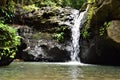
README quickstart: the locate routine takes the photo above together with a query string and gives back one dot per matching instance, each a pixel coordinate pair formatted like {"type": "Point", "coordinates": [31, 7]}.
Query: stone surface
{"type": "Point", "coordinates": [105, 49]}
{"type": "Point", "coordinates": [114, 30]}
{"type": "Point", "coordinates": [38, 46]}
{"type": "Point", "coordinates": [38, 42]}
{"type": "Point", "coordinates": [44, 18]}
{"type": "Point", "coordinates": [106, 11]}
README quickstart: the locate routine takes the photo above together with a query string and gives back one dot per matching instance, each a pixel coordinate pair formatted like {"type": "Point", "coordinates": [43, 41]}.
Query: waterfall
{"type": "Point", "coordinates": [78, 22]}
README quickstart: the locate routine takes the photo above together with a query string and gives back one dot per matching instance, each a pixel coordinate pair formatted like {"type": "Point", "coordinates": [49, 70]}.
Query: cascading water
{"type": "Point", "coordinates": [78, 22]}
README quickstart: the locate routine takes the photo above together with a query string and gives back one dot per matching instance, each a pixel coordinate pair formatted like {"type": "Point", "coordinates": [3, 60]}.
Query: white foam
{"type": "Point", "coordinates": [71, 63]}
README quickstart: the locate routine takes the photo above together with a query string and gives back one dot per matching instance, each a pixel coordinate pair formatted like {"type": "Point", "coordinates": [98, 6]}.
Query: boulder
{"type": "Point", "coordinates": [44, 18]}
{"type": "Point", "coordinates": [37, 46]}
{"type": "Point", "coordinates": [105, 48]}
{"type": "Point", "coordinates": [38, 42]}
{"type": "Point", "coordinates": [114, 30]}
{"type": "Point", "coordinates": [106, 11]}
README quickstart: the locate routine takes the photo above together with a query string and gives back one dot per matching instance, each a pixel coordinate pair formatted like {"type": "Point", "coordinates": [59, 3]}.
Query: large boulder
{"type": "Point", "coordinates": [38, 38]}
{"type": "Point", "coordinates": [44, 18]}
{"type": "Point", "coordinates": [102, 46]}
{"type": "Point", "coordinates": [40, 46]}
{"type": "Point", "coordinates": [106, 11]}
{"type": "Point", "coordinates": [114, 30]}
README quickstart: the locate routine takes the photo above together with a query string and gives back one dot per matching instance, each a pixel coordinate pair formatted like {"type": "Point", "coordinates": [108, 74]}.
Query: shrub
{"type": "Point", "coordinates": [8, 41]}
{"type": "Point", "coordinates": [102, 29]}
{"type": "Point", "coordinates": [7, 12]}
{"type": "Point", "coordinates": [59, 36]}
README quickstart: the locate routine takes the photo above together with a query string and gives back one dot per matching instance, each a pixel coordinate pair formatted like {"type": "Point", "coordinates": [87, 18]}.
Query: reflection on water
{"type": "Point", "coordinates": [75, 73]}
{"type": "Point", "coordinates": [47, 71]}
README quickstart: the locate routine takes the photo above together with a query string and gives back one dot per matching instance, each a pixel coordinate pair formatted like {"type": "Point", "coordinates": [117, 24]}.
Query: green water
{"type": "Point", "coordinates": [46, 71]}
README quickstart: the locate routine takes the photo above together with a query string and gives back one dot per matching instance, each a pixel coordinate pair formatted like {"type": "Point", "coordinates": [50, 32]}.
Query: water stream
{"type": "Point", "coordinates": [78, 23]}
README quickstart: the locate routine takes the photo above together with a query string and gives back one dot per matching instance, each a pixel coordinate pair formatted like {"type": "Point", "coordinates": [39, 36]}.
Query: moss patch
{"type": "Point", "coordinates": [30, 8]}
{"type": "Point", "coordinates": [39, 35]}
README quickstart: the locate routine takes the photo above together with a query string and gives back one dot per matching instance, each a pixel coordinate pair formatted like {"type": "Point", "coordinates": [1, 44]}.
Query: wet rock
{"type": "Point", "coordinates": [108, 10]}
{"type": "Point", "coordinates": [5, 59]}
{"type": "Point", "coordinates": [38, 41]}
{"type": "Point", "coordinates": [40, 46]}
{"type": "Point", "coordinates": [103, 49]}
{"type": "Point", "coordinates": [44, 18]}
{"type": "Point", "coordinates": [6, 62]}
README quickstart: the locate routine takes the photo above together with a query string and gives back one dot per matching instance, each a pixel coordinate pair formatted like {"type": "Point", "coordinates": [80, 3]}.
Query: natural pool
{"type": "Point", "coordinates": [55, 71]}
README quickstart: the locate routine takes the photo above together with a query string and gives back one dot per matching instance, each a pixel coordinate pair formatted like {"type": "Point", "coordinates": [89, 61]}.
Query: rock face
{"type": "Point", "coordinates": [105, 48]}
{"type": "Point", "coordinates": [106, 10]}
{"type": "Point", "coordinates": [114, 30]}
{"type": "Point", "coordinates": [45, 17]}
{"type": "Point", "coordinates": [5, 60]}
{"type": "Point", "coordinates": [38, 41]}
{"type": "Point", "coordinates": [38, 46]}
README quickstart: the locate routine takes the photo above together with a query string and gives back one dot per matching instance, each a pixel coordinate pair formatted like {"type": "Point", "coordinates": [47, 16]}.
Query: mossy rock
{"type": "Point", "coordinates": [114, 30]}
{"type": "Point", "coordinates": [40, 35]}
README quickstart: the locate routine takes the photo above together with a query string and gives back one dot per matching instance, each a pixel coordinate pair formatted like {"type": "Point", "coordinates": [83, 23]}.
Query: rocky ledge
{"type": "Point", "coordinates": [103, 44]}
{"type": "Point", "coordinates": [38, 29]}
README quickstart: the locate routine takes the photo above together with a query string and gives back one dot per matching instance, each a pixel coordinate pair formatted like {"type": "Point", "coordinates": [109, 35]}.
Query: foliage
{"type": "Point", "coordinates": [74, 3]}
{"type": "Point", "coordinates": [59, 36]}
{"type": "Point", "coordinates": [59, 33]}
{"type": "Point", "coordinates": [8, 41]}
{"type": "Point", "coordinates": [91, 10]}
{"type": "Point", "coordinates": [103, 29]}
{"type": "Point", "coordinates": [84, 33]}
{"type": "Point", "coordinates": [60, 29]}
{"type": "Point", "coordinates": [30, 7]}
{"type": "Point", "coordinates": [90, 1]}
{"type": "Point", "coordinates": [7, 12]}
{"type": "Point", "coordinates": [53, 3]}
